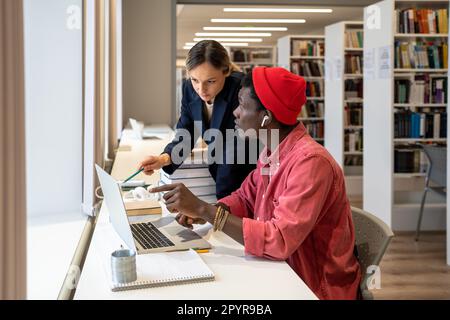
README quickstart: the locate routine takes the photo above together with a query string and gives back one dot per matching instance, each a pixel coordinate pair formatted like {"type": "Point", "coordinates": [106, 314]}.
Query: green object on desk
{"type": "Point", "coordinates": [133, 175]}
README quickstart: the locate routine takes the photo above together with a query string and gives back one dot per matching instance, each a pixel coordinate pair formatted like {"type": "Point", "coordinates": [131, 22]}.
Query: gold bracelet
{"type": "Point", "coordinates": [216, 218]}
{"type": "Point", "coordinates": [221, 217]}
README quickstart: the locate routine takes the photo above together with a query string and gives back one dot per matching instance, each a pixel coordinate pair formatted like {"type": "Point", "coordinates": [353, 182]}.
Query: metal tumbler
{"type": "Point", "coordinates": [123, 266]}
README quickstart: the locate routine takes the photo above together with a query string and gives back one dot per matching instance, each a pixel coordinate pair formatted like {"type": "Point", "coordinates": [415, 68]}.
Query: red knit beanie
{"type": "Point", "coordinates": [281, 92]}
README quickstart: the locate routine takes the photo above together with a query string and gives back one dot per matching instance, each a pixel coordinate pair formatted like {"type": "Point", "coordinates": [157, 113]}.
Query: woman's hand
{"type": "Point", "coordinates": [152, 163]}
{"type": "Point", "coordinates": [180, 199]}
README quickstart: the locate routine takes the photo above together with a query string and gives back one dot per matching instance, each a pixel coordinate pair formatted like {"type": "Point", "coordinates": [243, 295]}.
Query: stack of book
{"type": "Point", "coordinates": [195, 176]}
{"type": "Point", "coordinates": [308, 48]}
{"type": "Point", "coordinates": [142, 207]}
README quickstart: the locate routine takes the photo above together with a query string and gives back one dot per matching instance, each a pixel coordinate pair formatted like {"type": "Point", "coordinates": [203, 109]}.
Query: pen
{"type": "Point", "coordinates": [132, 176]}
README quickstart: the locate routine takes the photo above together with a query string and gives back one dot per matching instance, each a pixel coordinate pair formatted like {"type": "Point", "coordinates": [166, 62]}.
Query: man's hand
{"type": "Point", "coordinates": [152, 163]}
{"type": "Point", "coordinates": [187, 222]}
{"type": "Point", "coordinates": [180, 199]}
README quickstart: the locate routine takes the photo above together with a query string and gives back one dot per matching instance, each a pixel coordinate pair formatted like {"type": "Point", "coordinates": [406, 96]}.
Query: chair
{"type": "Point", "coordinates": [372, 237]}
{"type": "Point", "coordinates": [436, 173]}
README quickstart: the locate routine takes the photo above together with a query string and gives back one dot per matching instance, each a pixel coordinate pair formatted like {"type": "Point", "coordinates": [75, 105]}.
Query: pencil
{"type": "Point", "coordinates": [202, 250]}
{"type": "Point", "coordinates": [133, 175]}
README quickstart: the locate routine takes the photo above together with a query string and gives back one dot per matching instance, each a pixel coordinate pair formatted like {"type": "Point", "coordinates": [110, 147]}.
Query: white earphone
{"type": "Point", "coordinates": [141, 194]}
{"type": "Point", "coordinates": [264, 120]}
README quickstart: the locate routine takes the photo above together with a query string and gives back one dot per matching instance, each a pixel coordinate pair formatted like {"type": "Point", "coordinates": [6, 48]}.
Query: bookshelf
{"type": "Point", "coordinates": [344, 100]}
{"type": "Point", "coordinates": [247, 58]}
{"type": "Point", "coordinates": [405, 84]}
{"type": "Point", "coordinates": [305, 55]}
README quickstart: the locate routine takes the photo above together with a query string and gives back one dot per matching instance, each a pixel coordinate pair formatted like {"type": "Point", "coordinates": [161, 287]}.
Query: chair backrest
{"type": "Point", "coordinates": [372, 237]}
{"type": "Point", "coordinates": [437, 155]}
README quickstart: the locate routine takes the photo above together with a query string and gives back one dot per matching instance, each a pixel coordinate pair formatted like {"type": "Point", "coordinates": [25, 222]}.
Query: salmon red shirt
{"type": "Point", "coordinates": [295, 208]}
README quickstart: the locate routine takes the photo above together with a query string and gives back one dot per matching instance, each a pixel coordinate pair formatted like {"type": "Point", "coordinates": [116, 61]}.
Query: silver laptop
{"type": "Point", "coordinates": [161, 235]}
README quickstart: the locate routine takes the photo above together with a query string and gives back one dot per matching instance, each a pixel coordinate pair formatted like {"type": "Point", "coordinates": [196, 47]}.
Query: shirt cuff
{"type": "Point", "coordinates": [254, 236]}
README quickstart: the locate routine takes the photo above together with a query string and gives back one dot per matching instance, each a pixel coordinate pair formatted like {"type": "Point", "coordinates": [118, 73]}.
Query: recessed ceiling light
{"type": "Point", "coordinates": [259, 20]}
{"type": "Point", "coordinates": [245, 28]}
{"type": "Point", "coordinates": [232, 34]}
{"type": "Point", "coordinates": [236, 44]}
{"type": "Point", "coordinates": [278, 10]}
{"type": "Point", "coordinates": [230, 39]}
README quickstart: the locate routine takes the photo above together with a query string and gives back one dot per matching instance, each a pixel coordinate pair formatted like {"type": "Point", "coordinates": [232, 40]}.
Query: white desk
{"type": "Point", "coordinates": [237, 276]}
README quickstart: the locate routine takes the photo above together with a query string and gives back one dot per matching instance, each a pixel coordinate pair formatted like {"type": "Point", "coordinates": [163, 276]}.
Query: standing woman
{"type": "Point", "coordinates": [209, 98]}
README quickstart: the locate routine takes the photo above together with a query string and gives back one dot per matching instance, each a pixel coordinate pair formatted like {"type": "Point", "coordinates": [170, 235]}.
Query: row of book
{"type": "Point", "coordinates": [353, 141]}
{"type": "Point", "coordinates": [415, 20]}
{"type": "Point", "coordinates": [315, 129]}
{"type": "Point", "coordinates": [421, 54]}
{"type": "Point", "coordinates": [353, 160]}
{"type": "Point", "coordinates": [258, 55]}
{"type": "Point", "coordinates": [353, 89]}
{"type": "Point", "coordinates": [424, 89]}
{"type": "Point", "coordinates": [353, 64]}
{"type": "Point", "coordinates": [409, 159]}
{"type": "Point", "coordinates": [314, 89]}
{"type": "Point", "coordinates": [353, 115]}
{"type": "Point", "coordinates": [308, 48]}
{"type": "Point", "coordinates": [308, 68]}
{"type": "Point", "coordinates": [354, 39]}
{"type": "Point", "coordinates": [312, 109]}
{"type": "Point", "coordinates": [413, 125]}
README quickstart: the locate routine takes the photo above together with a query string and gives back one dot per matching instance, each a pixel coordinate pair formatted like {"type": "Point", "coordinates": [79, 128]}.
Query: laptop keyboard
{"type": "Point", "coordinates": [149, 237]}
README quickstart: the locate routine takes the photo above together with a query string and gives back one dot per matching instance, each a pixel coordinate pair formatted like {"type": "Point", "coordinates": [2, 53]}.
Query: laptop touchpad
{"type": "Point", "coordinates": [182, 234]}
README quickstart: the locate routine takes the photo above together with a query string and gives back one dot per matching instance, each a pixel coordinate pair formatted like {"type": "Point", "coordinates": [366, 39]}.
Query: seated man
{"type": "Point", "coordinates": [293, 206]}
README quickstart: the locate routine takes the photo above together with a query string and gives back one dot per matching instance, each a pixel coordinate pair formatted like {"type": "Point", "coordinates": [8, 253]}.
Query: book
{"type": "Point", "coordinates": [144, 211]}
{"type": "Point", "coordinates": [184, 173]}
{"type": "Point", "coordinates": [165, 269]}
{"type": "Point", "coordinates": [131, 204]}
{"type": "Point", "coordinates": [191, 182]}
{"type": "Point", "coordinates": [201, 190]}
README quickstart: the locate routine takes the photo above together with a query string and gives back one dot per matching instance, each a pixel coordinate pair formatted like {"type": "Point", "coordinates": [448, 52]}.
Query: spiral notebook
{"type": "Point", "coordinates": [167, 269]}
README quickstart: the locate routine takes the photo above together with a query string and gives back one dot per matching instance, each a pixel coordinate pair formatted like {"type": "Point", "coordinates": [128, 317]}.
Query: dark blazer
{"type": "Point", "coordinates": [228, 177]}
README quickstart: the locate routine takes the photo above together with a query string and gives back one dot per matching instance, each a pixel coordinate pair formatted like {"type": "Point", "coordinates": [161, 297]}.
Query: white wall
{"type": "Point", "coordinates": [149, 52]}
{"type": "Point", "coordinates": [53, 80]}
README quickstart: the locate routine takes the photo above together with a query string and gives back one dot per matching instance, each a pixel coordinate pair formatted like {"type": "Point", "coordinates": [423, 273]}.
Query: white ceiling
{"type": "Point", "coordinates": [192, 19]}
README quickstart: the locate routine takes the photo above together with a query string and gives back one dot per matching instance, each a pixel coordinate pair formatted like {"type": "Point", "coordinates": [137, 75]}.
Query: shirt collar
{"type": "Point", "coordinates": [284, 147]}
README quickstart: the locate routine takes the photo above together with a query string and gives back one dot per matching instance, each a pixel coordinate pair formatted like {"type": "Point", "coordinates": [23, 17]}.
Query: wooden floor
{"type": "Point", "coordinates": [415, 270]}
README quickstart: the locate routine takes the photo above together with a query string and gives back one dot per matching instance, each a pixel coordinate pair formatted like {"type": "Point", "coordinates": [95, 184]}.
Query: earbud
{"type": "Point", "coordinates": [264, 120]}
{"type": "Point", "coordinates": [141, 194]}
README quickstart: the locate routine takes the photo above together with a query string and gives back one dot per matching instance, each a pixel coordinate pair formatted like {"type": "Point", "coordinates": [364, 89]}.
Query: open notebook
{"type": "Point", "coordinates": [156, 269]}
